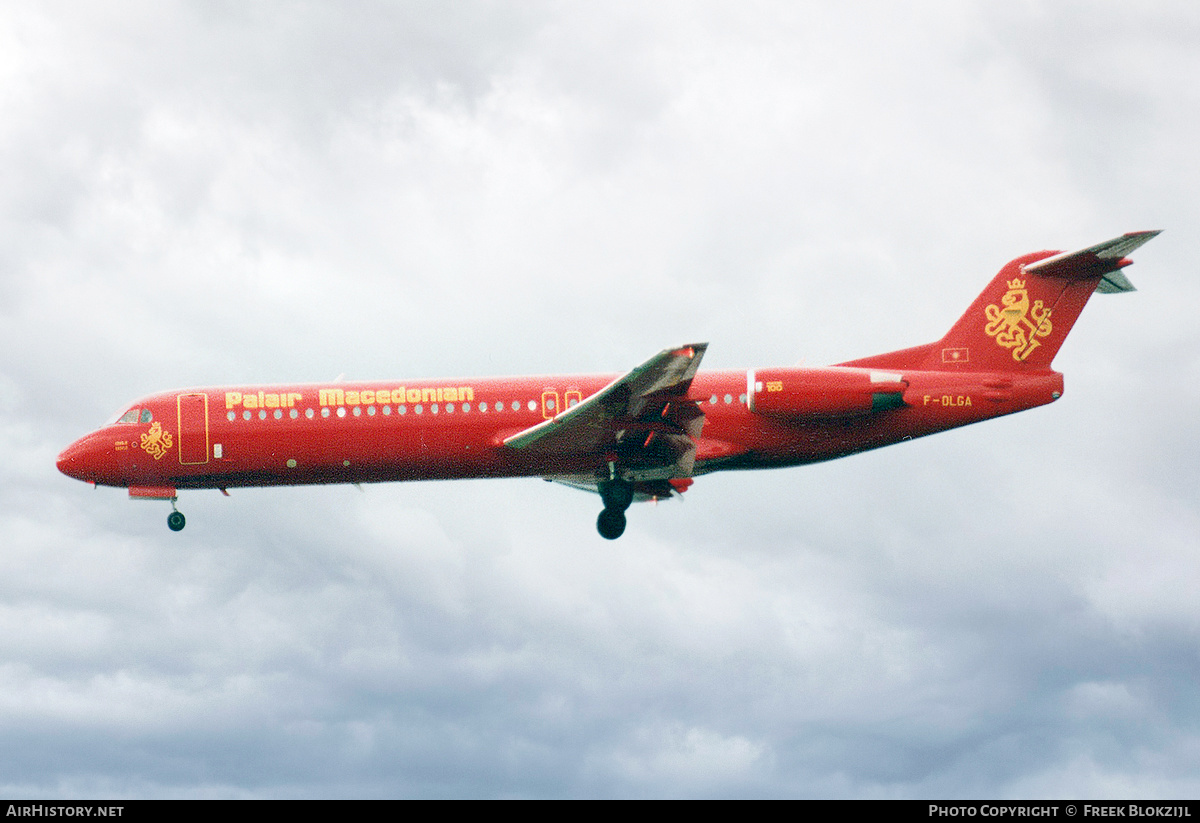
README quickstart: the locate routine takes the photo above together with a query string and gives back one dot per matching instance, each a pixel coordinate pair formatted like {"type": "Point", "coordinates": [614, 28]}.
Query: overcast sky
{"type": "Point", "coordinates": [205, 193]}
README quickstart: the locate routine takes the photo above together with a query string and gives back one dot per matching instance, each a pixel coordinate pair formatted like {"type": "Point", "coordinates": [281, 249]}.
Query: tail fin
{"type": "Point", "coordinates": [1025, 313]}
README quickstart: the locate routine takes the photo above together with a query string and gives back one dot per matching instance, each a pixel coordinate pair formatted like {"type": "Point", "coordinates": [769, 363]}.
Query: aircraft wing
{"type": "Point", "coordinates": [1106, 259]}
{"type": "Point", "coordinates": [643, 422]}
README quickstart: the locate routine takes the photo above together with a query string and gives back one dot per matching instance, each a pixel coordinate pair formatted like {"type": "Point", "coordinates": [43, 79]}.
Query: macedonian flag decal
{"type": "Point", "coordinates": [156, 441]}
{"type": "Point", "coordinates": [1017, 325]}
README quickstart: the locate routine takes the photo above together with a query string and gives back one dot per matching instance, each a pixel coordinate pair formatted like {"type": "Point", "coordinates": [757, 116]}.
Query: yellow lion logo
{"type": "Point", "coordinates": [156, 441]}
{"type": "Point", "coordinates": [1017, 326]}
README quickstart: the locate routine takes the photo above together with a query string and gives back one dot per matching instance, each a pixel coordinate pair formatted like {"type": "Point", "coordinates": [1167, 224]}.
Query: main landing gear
{"type": "Point", "coordinates": [617, 496]}
{"type": "Point", "coordinates": [611, 523]}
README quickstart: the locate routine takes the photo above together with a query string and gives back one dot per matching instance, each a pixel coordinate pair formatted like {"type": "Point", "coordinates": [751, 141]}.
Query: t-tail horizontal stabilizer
{"type": "Point", "coordinates": [1105, 259]}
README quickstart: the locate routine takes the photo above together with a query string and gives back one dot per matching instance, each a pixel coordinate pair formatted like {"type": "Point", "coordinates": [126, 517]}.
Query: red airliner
{"type": "Point", "coordinates": [643, 435]}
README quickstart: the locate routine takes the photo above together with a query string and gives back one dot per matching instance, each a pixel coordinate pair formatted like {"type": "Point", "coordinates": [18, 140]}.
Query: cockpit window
{"type": "Point", "coordinates": [147, 416]}
{"type": "Point", "coordinates": [130, 416]}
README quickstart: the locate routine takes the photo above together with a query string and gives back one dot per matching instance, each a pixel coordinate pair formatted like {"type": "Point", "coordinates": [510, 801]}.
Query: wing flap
{"type": "Point", "coordinates": [644, 418]}
{"type": "Point", "coordinates": [581, 428]}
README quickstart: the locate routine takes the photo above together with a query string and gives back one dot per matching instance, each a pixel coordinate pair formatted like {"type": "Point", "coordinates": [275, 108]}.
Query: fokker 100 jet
{"type": "Point", "coordinates": [643, 435]}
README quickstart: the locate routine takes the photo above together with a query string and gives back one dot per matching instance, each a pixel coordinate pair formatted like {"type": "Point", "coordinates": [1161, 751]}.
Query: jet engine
{"type": "Point", "coordinates": [826, 392]}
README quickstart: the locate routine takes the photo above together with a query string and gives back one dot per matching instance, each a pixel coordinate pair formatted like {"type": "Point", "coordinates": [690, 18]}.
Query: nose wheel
{"type": "Point", "coordinates": [175, 520]}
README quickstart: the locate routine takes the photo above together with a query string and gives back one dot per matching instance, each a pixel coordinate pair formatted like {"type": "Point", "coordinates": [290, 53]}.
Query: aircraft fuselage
{"type": "Point", "coordinates": [379, 431]}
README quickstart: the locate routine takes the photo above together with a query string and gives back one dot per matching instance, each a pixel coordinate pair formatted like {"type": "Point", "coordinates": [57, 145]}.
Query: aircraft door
{"type": "Point", "coordinates": [193, 428]}
{"type": "Point", "coordinates": [550, 405]}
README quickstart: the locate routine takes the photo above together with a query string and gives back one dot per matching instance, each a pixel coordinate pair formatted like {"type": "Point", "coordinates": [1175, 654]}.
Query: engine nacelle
{"type": "Point", "coordinates": [827, 392]}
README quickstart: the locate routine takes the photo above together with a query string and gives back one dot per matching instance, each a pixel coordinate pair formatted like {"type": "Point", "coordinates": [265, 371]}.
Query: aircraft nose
{"type": "Point", "coordinates": [70, 462]}
{"type": "Point", "coordinates": [89, 459]}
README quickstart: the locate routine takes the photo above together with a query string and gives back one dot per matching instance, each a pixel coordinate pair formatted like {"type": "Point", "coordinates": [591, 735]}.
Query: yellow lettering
{"type": "Point", "coordinates": [250, 401]}
{"type": "Point", "coordinates": [260, 400]}
{"type": "Point", "coordinates": [233, 398]}
{"type": "Point", "coordinates": [340, 397]}
{"type": "Point", "coordinates": [774, 385]}
{"type": "Point", "coordinates": [949, 400]}
{"type": "Point", "coordinates": [272, 401]}
{"type": "Point", "coordinates": [926, 403]}
{"type": "Point", "coordinates": [293, 398]}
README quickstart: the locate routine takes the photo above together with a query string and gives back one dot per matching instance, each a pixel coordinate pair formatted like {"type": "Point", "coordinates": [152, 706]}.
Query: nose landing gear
{"type": "Point", "coordinates": [175, 520]}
